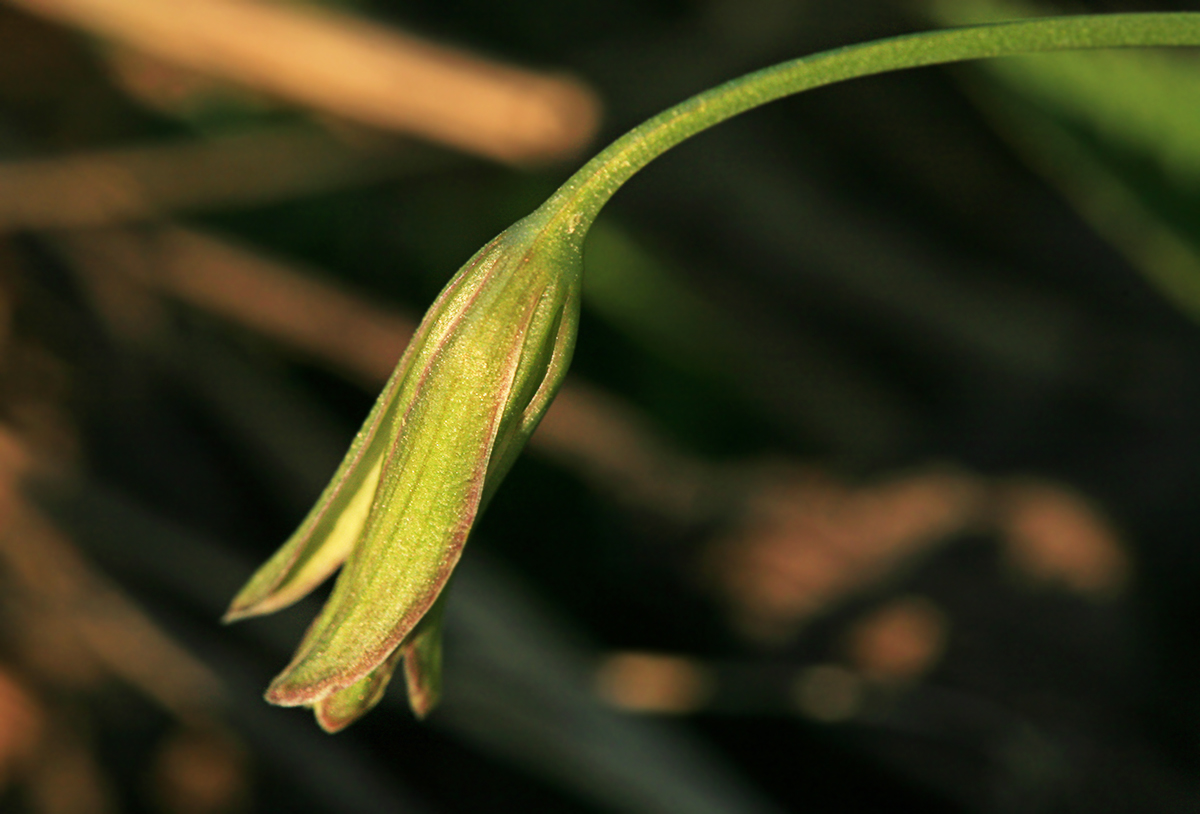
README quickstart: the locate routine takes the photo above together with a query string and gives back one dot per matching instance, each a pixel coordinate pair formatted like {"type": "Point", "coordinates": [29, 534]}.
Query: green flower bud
{"type": "Point", "coordinates": [470, 389]}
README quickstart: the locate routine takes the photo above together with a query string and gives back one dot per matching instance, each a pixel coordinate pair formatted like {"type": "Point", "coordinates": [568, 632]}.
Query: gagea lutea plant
{"type": "Point", "coordinates": [485, 364]}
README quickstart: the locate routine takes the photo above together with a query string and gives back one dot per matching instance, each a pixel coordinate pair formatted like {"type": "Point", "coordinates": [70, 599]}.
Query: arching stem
{"type": "Point", "coordinates": [580, 199]}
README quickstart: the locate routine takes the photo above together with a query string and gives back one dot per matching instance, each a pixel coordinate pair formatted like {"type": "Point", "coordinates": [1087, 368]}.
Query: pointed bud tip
{"type": "Point", "coordinates": [329, 722]}
{"type": "Point", "coordinates": [237, 613]}
{"type": "Point", "coordinates": [422, 706]}
{"type": "Point", "coordinates": [282, 693]}
{"type": "Point", "coordinates": [243, 607]}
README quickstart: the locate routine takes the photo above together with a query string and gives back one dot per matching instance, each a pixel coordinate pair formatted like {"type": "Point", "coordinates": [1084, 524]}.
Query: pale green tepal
{"type": "Point", "coordinates": [467, 394]}
{"type": "Point", "coordinates": [487, 360]}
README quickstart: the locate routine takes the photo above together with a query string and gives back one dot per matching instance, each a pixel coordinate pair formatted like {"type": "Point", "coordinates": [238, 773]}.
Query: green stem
{"type": "Point", "coordinates": [585, 193]}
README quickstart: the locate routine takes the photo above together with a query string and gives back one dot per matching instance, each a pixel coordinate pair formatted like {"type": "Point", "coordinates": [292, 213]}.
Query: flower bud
{"type": "Point", "coordinates": [475, 380]}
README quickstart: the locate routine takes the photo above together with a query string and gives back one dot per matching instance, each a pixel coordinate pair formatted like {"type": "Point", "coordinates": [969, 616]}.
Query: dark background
{"type": "Point", "coordinates": [887, 287]}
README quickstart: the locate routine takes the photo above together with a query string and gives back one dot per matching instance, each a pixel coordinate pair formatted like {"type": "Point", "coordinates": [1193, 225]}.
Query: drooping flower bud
{"type": "Point", "coordinates": [476, 378]}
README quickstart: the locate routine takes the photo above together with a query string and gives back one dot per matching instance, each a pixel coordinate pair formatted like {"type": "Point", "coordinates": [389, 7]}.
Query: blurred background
{"type": "Point", "coordinates": [872, 487]}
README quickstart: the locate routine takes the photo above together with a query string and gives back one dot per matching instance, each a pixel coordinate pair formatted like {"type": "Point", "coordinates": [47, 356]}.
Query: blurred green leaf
{"type": "Point", "coordinates": [1115, 132]}
{"type": "Point", "coordinates": [648, 302]}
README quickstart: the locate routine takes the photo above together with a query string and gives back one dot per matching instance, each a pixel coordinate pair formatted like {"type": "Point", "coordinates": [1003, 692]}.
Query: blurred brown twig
{"type": "Point", "coordinates": [58, 590]}
{"type": "Point", "coordinates": [66, 630]}
{"type": "Point", "coordinates": [137, 183]}
{"type": "Point", "coordinates": [352, 68]}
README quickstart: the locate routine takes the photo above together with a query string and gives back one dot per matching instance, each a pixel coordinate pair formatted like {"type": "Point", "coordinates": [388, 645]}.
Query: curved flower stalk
{"type": "Point", "coordinates": [484, 365]}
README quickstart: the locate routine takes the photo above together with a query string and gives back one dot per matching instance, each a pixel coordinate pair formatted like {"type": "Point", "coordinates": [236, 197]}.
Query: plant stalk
{"type": "Point", "coordinates": [580, 199]}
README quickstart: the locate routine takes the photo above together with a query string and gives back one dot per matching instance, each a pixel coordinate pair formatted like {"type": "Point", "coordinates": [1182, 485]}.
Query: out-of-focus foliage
{"type": "Point", "coordinates": [1115, 132]}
